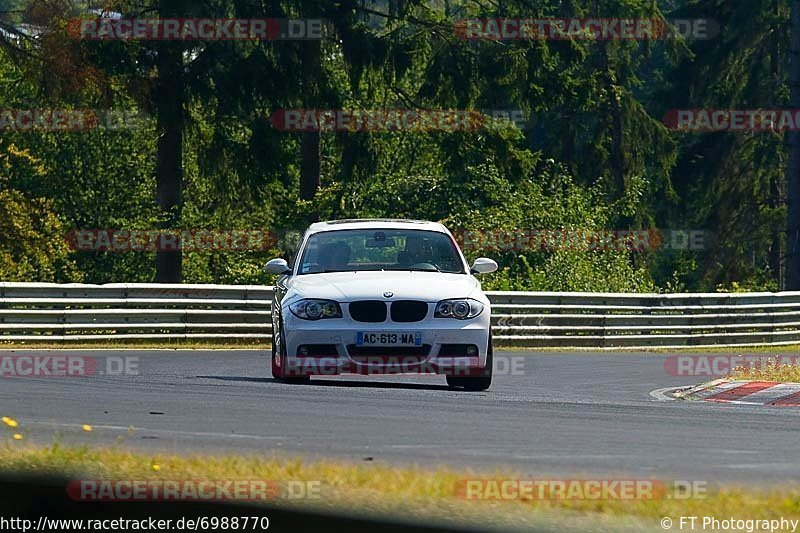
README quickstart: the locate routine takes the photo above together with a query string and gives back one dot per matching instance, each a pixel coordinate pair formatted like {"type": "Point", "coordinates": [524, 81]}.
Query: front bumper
{"type": "Point", "coordinates": [341, 333]}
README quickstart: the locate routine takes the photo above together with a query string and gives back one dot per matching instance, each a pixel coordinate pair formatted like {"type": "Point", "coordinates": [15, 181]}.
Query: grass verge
{"type": "Point", "coordinates": [777, 368]}
{"type": "Point", "coordinates": [235, 344]}
{"type": "Point", "coordinates": [247, 344]}
{"type": "Point", "coordinates": [375, 488]}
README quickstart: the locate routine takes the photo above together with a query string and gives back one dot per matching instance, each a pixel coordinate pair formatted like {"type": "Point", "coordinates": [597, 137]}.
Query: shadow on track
{"type": "Point", "coordinates": [240, 379]}
{"type": "Point", "coordinates": [378, 384]}
{"type": "Point", "coordinates": [337, 383]}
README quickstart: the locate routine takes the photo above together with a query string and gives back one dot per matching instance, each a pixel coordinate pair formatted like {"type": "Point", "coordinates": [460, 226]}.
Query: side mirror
{"type": "Point", "coordinates": [483, 265]}
{"type": "Point", "coordinates": [278, 266]}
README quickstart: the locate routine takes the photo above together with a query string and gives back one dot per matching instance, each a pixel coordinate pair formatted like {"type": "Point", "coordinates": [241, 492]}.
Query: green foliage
{"type": "Point", "coordinates": [34, 247]}
{"type": "Point", "coordinates": [596, 157]}
{"type": "Point", "coordinates": [545, 199]}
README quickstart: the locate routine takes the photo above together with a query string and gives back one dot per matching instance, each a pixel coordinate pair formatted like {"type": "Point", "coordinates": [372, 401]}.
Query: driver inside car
{"type": "Point", "coordinates": [334, 256]}
{"type": "Point", "coordinates": [413, 253]}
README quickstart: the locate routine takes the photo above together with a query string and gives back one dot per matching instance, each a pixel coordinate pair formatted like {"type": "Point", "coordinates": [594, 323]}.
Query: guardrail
{"type": "Point", "coordinates": [133, 311]}
{"type": "Point", "coordinates": [47, 312]}
{"type": "Point", "coordinates": [612, 321]}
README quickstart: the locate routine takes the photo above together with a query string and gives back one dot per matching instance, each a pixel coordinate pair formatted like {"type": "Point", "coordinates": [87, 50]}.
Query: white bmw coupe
{"type": "Point", "coordinates": [381, 297]}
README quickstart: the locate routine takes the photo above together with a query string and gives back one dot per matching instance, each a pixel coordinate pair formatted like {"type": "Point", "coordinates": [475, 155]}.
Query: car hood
{"type": "Point", "coordinates": [349, 286]}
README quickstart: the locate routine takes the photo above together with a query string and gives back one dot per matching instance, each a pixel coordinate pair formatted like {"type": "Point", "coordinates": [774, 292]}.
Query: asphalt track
{"type": "Point", "coordinates": [557, 414]}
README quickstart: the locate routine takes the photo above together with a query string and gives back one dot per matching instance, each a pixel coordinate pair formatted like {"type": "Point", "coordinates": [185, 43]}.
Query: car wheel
{"type": "Point", "coordinates": [279, 360]}
{"type": "Point", "coordinates": [480, 382]}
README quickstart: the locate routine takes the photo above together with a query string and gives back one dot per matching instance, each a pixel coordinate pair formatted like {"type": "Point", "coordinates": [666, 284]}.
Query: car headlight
{"type": "Point", "coordinates": [311, 309]}
{"type": "Point", "coordinates": [460, 308]}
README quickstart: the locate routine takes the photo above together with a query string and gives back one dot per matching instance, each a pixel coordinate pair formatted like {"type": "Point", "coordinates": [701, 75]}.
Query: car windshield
{"type": "Point", "coordinates": [380, 249]}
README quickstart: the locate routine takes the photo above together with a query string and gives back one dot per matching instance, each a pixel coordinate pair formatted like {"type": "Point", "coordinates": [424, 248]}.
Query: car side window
{"type": "Point", "coordinates": [310, 258]}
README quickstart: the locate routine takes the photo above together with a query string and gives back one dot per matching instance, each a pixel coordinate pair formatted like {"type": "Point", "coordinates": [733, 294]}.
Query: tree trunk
{"type": "Point", "coordinates": [776, 192]}
{"type": "Point", "coordinates": [169, 157]}
{"type": "Point", "coordinates": [309, 143]}
{"type": "Point", "coordinates": [793, 170]}
{"type": "Point", "coordinates": [309, 169]}
{"type": "Point", "coordinates": [616, 155]}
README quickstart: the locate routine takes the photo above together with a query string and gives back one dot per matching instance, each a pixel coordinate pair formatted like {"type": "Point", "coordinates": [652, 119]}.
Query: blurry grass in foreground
{"type": "Point", "coordinates": [404, 492]}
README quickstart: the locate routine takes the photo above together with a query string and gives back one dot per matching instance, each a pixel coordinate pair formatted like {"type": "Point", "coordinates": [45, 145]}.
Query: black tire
{"type": "Point", "coordinates": [277, 370]}
{"type": "Point", "coordinates": [476, 383]}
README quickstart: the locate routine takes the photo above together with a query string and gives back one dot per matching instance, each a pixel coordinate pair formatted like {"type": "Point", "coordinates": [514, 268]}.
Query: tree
{"type": "Point", "coordinates": [32, 236]}
{"type": "Point", "coordinates": [793, 168]}
{"type": "Point", "coordinates": [731, 182]}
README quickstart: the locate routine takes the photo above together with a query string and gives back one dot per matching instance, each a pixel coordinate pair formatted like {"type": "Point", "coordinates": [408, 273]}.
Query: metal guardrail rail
{"type": "Point", "coordinates": [47, 312]}
{"type": "Point", "coordinates": [43, 312]}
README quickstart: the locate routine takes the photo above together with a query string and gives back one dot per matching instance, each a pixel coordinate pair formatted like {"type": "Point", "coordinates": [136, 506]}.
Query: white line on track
{"type": "Point", "coordinates": [662, 395]}
{"type": "Point", "coordinates": [166, 431]}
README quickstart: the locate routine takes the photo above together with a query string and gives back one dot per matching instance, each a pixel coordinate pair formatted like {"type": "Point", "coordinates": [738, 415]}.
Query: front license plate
{"type": "Point", "coordinates": [388, 338]}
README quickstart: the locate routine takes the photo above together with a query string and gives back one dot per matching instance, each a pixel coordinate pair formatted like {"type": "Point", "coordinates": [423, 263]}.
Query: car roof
{"type": "Point", "coordinates": [372, 223]}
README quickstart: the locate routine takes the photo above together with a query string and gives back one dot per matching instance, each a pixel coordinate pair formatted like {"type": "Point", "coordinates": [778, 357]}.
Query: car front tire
{"type": "Point", "coordinates": [279, 354]}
